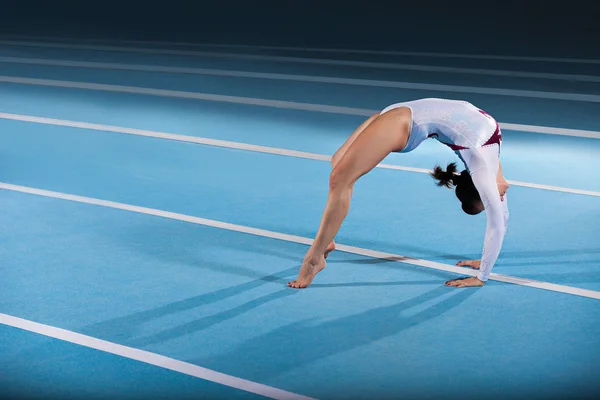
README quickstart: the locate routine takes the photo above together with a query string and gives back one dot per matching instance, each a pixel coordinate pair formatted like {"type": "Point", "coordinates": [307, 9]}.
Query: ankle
{"type": "Point", "coordinates": [314, 259]}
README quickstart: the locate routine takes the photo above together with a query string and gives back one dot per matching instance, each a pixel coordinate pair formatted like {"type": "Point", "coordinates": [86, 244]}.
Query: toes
{"type": "Point", "coordinates": [296, 285]}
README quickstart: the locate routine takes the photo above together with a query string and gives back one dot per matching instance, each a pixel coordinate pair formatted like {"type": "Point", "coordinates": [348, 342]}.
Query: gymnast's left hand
{"type": "Point", "coordinates": [465, 282]}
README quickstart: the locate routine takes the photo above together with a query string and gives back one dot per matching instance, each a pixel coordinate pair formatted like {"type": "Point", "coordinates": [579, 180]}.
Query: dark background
{"type": "Point", "coordinates": [567, 28]}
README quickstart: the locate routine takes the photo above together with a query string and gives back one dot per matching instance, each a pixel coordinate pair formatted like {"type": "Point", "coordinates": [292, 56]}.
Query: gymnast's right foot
{"type": "Point", "coordinates": [308, 271]}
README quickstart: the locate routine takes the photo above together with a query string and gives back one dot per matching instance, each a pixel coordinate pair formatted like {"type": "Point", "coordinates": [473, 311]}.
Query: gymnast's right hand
{"type": "Point", "coordinates": [475, 264]}
{"type": "Point", "coordinates": [503, 186]}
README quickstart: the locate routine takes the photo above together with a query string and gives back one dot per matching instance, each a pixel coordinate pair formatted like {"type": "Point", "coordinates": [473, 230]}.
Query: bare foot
{"type": "Point", "coordinates": [329, 249]}
{"type": "Point", "coordinates": [308, 271]}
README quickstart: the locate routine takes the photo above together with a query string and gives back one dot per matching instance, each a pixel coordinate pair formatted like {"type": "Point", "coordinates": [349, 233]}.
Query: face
{"type": "Point", "coordinates": [473, 208]}
{"type": "Point", "coordinates": [467, 194]}
{"type": "Point", "coordinates": [478, 206]}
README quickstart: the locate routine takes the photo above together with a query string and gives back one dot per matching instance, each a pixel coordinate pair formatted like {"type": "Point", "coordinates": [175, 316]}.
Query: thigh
{"type": "Point", "coordinates": [385, 134]}
{"type": "Point", "coordinates": [342, 150]}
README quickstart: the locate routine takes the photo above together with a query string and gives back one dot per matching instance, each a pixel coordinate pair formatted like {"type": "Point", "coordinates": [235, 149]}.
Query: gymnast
{"type": "Point", "coordinates": [475, 137]}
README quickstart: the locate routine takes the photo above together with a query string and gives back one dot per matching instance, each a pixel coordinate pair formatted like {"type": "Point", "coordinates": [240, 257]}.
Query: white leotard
{"type": "Point", "coordinates": [458, 124]}
{"type": "Point", "coordinates": [476, 138]}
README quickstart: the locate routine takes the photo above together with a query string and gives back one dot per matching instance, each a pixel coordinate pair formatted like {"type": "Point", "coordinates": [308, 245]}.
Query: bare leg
{"type": "Point", "coordinates": [385, 134]}
{"type": "Point", "coordinates": [342, 150]}
{"type": "Point", "coordinates": [335, 159]}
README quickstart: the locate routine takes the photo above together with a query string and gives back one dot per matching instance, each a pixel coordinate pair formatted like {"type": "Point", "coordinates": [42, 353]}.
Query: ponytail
{"type": "Point", "coordinates": [465, 191]}
{"type": "Point", "coordinates": [447, 177]}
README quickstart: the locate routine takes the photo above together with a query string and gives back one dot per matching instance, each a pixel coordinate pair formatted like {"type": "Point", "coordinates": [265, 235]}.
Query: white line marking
{"type": "Point", "coordinates": [413, 86]}
{"type": "Point", "coordinates": [318, 61]}
{"type": "Point", "coordinates": [149, 358]}
{"type": "Point", "coordinates": [242, 146]}
{"type": "Point", "coordinates": [301, 240]}
{"type": "Point", "coordinates": [377, 52]}
{"type": "Point", "coordinates": [266, 103]}
{"type": "Point", "coordinates": [188, 95]}
{"type": "Point", "coordinates": [163, 135]}
{"type": "Point", "coordinates": [308, 78]}
{"type": "Point", "coordinates": [326, 50]}
{"type": "Point", "coordinates": [550, 130]}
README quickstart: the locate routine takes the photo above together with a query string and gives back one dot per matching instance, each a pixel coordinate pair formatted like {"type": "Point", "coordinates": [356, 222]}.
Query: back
{"type": "Point", "coordinates": [455, 122]}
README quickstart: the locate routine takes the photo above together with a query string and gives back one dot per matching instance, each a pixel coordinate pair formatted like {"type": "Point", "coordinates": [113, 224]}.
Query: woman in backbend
{"type": "Point", "coordinates": [472, 133]}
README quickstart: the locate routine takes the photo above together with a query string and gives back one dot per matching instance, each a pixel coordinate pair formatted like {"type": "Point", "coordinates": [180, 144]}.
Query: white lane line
{"type": "Point", "coordinates": [376, 52]}
{"type": "Point", "coordinates": [418, 86]}
{"type": "Point", "coordinates": [149, 358]}
{"type": "Point", "coordinates": [323, 50]}
{"type": "Point", "coordinates": [275, 76]}
{"type": "Point", "coordinates": [266, 103]}
{"type": "Point", "coordinates": [242, 146]}
{"type": "Point", "coordinates": [318, 61]}
{"type": "Point", "coordinates": [188, 95]}
{"type": "Point", "coordinates": [308, 78]}
{"type": "Point", "coordinates": [550, 130]}
{"type": "Point", "coordinates": [164, 135]}
{"type": "Point", "coordinates": [301, 240]}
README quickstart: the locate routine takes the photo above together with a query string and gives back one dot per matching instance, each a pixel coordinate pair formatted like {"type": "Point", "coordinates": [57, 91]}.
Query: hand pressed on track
{"type": "Point", "coordinates": [474, 264]}
{"type": "Point", "coordinates": [465, 282]}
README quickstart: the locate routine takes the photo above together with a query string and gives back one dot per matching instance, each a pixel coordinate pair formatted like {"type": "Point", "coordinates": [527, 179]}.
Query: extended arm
{"type": "Point", "coordinates": [487, 176]}
{"type": "Point", "coordinates": [497, 219]}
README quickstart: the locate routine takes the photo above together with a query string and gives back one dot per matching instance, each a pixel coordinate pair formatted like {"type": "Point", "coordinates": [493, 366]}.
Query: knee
{"type": "Point", "coordinates": [338, 179]}
{"type": "Point", "coordinates": [335, 159]}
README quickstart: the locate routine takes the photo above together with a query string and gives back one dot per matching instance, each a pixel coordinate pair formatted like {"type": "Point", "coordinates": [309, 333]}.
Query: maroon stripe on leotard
{"type": "Point", "coordinates": [495, 139]}
{"type": "Point", "coordinates": [455, 147]}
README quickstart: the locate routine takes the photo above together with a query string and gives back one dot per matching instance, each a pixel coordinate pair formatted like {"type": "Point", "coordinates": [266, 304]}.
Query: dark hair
{"type": "Point", "coordinates": [465, 189]}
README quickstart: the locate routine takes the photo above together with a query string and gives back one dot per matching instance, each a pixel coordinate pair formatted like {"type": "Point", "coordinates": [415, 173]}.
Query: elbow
{"type": "Point", "coordinates": [497, 231]}
{"type": "Point", "coordinates": [497, 225]}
